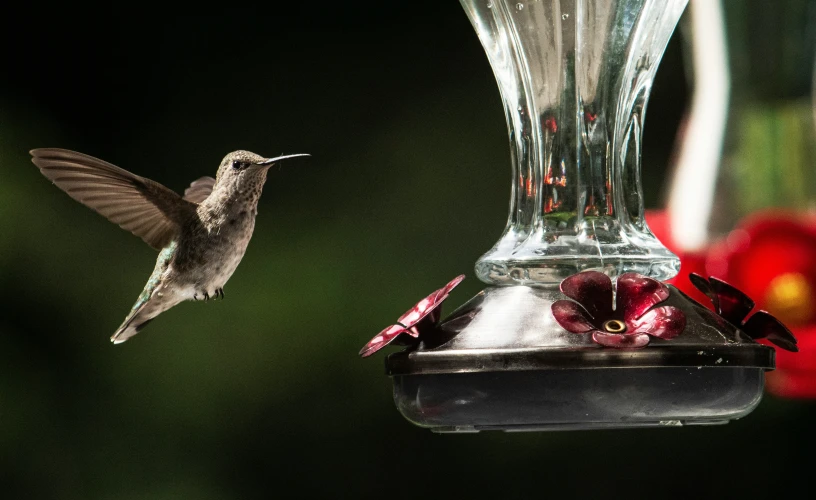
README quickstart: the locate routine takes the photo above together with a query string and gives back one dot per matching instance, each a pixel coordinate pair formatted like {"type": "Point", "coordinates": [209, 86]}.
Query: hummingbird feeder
{"type": "Point", "coordinates": [576, 329]}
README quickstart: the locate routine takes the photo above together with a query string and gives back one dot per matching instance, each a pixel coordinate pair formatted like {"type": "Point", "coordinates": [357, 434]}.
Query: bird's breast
{"type": "Point", "coordinates": [211, 254]}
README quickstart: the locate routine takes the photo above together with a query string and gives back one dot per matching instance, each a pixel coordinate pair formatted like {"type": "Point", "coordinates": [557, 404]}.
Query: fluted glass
{"type": "Point", "coordinates": [574, 76]}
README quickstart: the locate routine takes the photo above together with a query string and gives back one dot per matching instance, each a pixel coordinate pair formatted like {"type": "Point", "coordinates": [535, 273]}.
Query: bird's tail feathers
{"type": "Point", "coordinates": [136, 320]}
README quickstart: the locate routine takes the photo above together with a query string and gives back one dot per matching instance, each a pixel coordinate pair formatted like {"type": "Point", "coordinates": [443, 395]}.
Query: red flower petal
{"type": "Point", "coordinates": [762, 325]}
{"type": "Point", "coordinates": [664, 322]}
{"type": "Point", "coordinates": [591, 289]}
{"type": "Point", "coordinates": [452, 284]}
{"type": "Point", "coordinates": [419, 311]}
{"type": "Point", "coordinates": [571, 316]}
{"type": "Point", "coordinates": [733, 304]}
{"type": "Point", "coordinates": [428, 304]}
{"type": "Point", "coordinates": [805, 358]}
{"type": "Point", "coordinates": [702, 284]}
{"type": "Point", "coordinates": [381, 340]}
{"type": "Point", "coordinates": [620, 340]}
{"type": "Point", "coordinates": [637, 294]}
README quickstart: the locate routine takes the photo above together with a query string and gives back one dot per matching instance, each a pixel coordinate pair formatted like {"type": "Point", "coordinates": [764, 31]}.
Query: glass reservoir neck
{"type": "Point", "coordinates": [574, 76]}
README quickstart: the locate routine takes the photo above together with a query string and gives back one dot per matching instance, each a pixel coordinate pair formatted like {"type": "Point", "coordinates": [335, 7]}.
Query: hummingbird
{"type": "Point", "coordinates": [201, 236]}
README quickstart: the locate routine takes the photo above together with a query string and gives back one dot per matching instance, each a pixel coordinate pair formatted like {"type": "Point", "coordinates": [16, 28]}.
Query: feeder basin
{"type": "Point", "coordinates": [502, 362]}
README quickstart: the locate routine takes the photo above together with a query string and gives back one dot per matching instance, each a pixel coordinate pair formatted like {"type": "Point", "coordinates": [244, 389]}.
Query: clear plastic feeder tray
{"type": "Point", "coordinates": [502, 362]}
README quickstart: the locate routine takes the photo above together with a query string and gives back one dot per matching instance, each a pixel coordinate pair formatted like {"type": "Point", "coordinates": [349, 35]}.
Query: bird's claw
{"type": "Point", "coordinates": [219, 292]}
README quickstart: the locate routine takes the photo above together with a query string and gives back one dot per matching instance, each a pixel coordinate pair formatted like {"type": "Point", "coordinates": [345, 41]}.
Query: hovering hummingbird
{"type": "Point", "coordinates": [201, 236]}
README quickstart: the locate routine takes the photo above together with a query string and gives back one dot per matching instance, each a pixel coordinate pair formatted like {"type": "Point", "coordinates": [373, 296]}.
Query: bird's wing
{"type": "Point", "coordinates": [199, 190]}
{"type": "Point", "coordinates": [144, 207]}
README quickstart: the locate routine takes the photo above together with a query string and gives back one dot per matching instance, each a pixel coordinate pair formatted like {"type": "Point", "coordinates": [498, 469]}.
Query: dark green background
{"type": "Point", "coordinates": [263, 395]}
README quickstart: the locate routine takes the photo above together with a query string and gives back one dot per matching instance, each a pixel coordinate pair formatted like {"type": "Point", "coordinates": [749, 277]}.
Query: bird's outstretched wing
{"type": "Point", "coordinates": [199, 190]}
{"type": "Point", "coordinates": [144, 207]}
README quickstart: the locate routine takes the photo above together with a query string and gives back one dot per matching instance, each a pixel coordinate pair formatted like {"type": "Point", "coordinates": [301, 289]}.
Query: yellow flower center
{"type": "Point", "coordinates": [790, 298]}
{"type": "Point", "coordinates": [614, 326]}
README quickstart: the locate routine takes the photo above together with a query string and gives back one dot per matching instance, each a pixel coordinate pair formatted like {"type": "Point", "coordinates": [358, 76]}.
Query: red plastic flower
{"type": "Point", "coordinates": [734, 306]}
{"type": "Point", "coordinates": [634, 317]}
{"type": "Point", "coordinates": [421, 318]}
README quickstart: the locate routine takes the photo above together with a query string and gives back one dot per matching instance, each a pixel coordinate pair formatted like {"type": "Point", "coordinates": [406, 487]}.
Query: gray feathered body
{"type": "Point", "coordinates": [209, 247]}
{"type": "Point", "coordinates": [212, 245]}
{"type": "Point", "coordinates": [202, 237]}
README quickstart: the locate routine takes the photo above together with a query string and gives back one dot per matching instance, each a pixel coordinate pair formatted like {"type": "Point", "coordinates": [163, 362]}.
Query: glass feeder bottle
{"type": "Point", "coordinates": [574, 76]}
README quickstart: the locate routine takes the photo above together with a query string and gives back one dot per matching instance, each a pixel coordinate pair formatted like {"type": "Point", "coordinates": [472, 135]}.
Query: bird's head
{"type": "Point", "coordinates": [244, 168]}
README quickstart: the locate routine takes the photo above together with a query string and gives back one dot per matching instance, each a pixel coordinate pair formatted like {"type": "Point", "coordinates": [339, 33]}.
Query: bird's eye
{"type": "Point", "coordinates": [237, 164]}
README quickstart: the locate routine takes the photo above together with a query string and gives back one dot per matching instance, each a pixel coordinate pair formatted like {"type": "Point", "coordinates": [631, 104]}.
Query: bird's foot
{"type": "Point", "coordinates": [219, 292]}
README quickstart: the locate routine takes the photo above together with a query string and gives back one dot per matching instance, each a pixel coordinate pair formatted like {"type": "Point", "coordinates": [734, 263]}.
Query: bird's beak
{"type": "Point", "coordinates": [269, 161]}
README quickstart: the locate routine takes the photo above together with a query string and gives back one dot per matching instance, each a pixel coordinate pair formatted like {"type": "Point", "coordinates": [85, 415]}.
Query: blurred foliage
{"type": "Point", "coordinates": [262, 394]}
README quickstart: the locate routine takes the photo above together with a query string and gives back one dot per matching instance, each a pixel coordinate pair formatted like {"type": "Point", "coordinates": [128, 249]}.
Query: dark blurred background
{"type": "Point", "coordinates": [263, 394]}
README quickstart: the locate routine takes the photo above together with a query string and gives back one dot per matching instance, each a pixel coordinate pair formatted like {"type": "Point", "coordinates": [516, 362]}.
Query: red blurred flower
{"type": "Point", "coordinates": [772, 257]}
{"type": "Point", "coordinates": [410, 326]}
{"type": "Point", "coordinates": [634, 317]}
{"type": "Point", "coordinates": [690, 261]}
{"type": "Point", "coordinates": [734, 306]}
{"type": "Point", "coordinates": [795, 374]}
